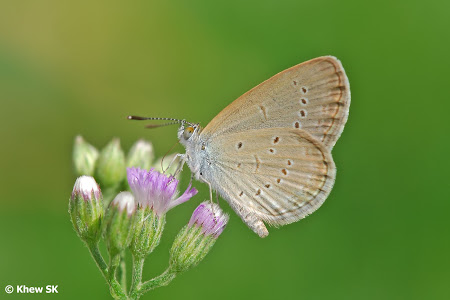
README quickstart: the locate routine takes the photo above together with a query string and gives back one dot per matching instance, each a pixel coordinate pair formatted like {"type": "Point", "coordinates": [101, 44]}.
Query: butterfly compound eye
{"type": "Point", "coordinates": [188, 132]}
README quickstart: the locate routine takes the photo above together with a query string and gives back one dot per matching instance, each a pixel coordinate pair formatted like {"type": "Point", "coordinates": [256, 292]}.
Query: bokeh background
{"type": "Point", "coordinates": [80, 67]}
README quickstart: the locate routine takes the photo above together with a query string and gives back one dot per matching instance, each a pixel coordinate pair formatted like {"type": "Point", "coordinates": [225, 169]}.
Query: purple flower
{"type": "Point", "coordinates": [155, 190]}
{"type": "Point", "coordinates": [210, 218]}
{"type": "Point", "coordinates": [198, 237]}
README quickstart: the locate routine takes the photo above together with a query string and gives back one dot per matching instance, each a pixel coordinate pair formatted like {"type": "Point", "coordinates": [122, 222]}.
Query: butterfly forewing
{"type": "Point", "coordinates": [313, 96]}
{"type": "Point", "coordinates": [281, 175]}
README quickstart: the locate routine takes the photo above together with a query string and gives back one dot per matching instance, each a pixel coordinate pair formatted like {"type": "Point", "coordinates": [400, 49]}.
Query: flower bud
{"type": "Point", "coordinates": [110, 169]}
{"type": "Point", "coordinates": [119, 223]}
{"type": "Point", "coordinates": [84, 157]}
{"type": "Point", "coordinates": [196, 239]}
{"type": "Point", "coordinates": [147, 233]}
{"type": "Point", "coordinates": [85, 208]}
{"type": "Point", "coordinates": [141, 155]}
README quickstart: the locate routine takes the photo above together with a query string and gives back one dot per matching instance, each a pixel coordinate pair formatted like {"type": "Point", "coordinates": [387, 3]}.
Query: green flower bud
{"type": "Point", "coordinates": [147, 233]}
{"type": "Point", "coordinates": [110, 169]}
{"type": "Point", "coordinates": [119, 223]}
{"type": "Point", "coordinates": [189, 248]}
{"type": "Point", "coordinates": [84, 157]}
{"type": "Point", "coordinates": [86, 210]}
{"type": "Point", "coordinates": [197, 238]}
{"type": "Point", "coordinates": [141, 155]}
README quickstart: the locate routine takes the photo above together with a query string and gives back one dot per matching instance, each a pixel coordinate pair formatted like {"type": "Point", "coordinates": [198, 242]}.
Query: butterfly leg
{"type": "Point", "coordinates": [210, 193]}
{"type": "Point", "coordinates": [217, 198]}
{"type": "Point", "coordinates": [211, 197]}
{"type": "Point", "coordinates": [179, 168]}
{"type": "Point", "coordinates": [180, 164]}
{"type": "Point", "coordinates": [190, 180]}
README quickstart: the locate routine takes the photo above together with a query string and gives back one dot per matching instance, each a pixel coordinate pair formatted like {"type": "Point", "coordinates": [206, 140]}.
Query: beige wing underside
{"type": "Point", "coordinates": [280, 175]}
{"type": "Point", "coordinates": [313, 96]}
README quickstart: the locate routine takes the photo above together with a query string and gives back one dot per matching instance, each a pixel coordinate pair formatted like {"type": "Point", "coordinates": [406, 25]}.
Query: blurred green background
{"type": "Point", "coordinates": [81, 67]}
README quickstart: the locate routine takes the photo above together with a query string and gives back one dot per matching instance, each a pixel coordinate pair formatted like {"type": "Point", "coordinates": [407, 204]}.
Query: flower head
{"type": "Point", "coordinates": [210, 218]}
{"type": "Point", "coordinates": [155, 190]}
{"type": "Point", "coordinates": [124, 202]}
{"type": "Point", "coordinates": [141, 155]}
{"type": "Point", "coordinates": [86, 209]}
{"type": "Point", "coordinates": [119, 223]}
{"type": "Point", "coordinates": [87, 188]}
{"type": "Point", "coordinates": [111, 165]}
{"type": "Point", "coordinates": [84, 157]}
{"type": "Point", "coordinates": [197, 238]}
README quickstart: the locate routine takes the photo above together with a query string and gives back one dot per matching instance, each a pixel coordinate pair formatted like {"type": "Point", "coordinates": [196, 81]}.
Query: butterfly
{"type": "Point", "coordinates": [268, 153]}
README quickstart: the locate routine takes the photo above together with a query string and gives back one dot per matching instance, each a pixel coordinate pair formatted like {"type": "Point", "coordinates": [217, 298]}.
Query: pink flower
{"type": "Point", "coordinates": [155, 190]}
{"type": "Point", "coordinates": [210, 218]}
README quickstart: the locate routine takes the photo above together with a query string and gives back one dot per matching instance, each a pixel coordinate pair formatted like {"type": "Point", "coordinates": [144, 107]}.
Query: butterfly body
{"type": "Point", "coordinates": [268, 153]}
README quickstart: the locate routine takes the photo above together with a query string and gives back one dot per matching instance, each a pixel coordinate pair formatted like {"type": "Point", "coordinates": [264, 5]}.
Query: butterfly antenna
{"type": "Point", "coordinates": [176, 121]}
{"type": "Point", "coordinates": [160, 125]}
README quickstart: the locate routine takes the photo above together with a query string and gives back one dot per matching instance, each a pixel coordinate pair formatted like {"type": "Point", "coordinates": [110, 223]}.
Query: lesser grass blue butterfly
{"type": "Point", "coordinates": [268, 153]}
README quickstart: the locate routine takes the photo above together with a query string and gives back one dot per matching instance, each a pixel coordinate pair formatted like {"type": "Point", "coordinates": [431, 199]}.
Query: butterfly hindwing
{"type": "Point", "coordinates": [280, 175]}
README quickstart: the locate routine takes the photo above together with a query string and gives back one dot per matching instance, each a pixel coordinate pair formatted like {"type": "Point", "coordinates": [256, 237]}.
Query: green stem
{"type": "Point", "coordinates": [97, 256]}
{"type": "Point", "coordinates": [114, 262]}
{"type": "Point", "coordinates": [162, 280]}
{"type": "Point", "coordinates": [114, 286]}
{"type": "Point", "coordinates": [136, 277]}
{"type": "Point", "coordinates": [121, 273]}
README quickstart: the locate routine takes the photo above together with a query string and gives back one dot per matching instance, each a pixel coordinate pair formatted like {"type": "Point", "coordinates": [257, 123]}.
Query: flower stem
{"type": "Point", "coordinates": [97, 256]}
{"type": "Point", "coordinates": [114, 262]}
{"type": "Point", "coordinates": [162, 280]}
{"type": "Point", "coordinates": [136, 277]}
{"type": "Point", "coordinates": [114, 286]}
{"type": "Point", "coordinates": [121, 273]}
